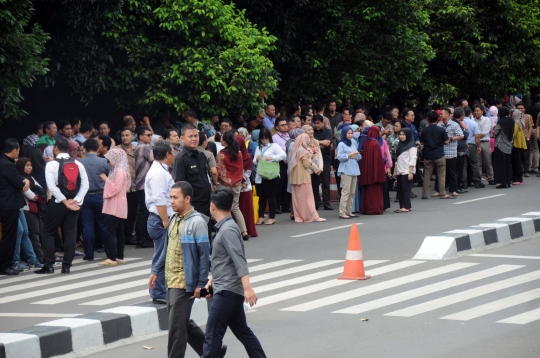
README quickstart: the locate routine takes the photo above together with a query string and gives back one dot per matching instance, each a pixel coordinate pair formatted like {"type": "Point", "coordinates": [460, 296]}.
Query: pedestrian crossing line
{"type": "Point", "coordinates": [311, 266]}
{"type": "Point", "coordinates": [426, 290]}
{"type": "Point", "coordinates": [465, 295]}
{"type": "Point", "coordinates": [495, 306]}
{"type": "Point", "coordinates": [523, 318]}
{"type": "Point", "coordinates": [310, 277]}
{"type": "Point", "coordinates": [272, 265]}
{"type": "Point", "coordinates": [95, 292]}
{"type": "Point", "coordinates": [64, 288]}
{"type": "Point", "coordinates": [362, 291]}
{"type": "Point", "coordinates": [264, 301]}
{"type": "Point", "coordinates": [508, 256]}
{"type": "Point", "coordinates": [116, 299]}
{"type": "Point", "coordinates": [55, 280]}
{"type": "Point", "coordinates": [253, 260]}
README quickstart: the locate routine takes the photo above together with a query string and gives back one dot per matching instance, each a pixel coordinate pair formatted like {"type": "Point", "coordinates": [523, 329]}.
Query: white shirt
{"type": "Point", "coordinates": [484, 125]}
{"type": "Point", "coordinates": [406, 160]}
{"type": "Point", "coordinates": [270, 150]}
{"type": "Point", "coordinates": [157, 188]}
{"type": "Point", "coordinates": [51, 177]}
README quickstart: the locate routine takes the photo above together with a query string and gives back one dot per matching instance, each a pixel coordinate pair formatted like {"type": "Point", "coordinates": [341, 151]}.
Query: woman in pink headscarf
{"type": "Point", "coordinates": [115, 205]}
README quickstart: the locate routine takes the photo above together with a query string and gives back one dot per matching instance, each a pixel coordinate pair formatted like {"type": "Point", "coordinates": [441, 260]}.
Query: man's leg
{"type": "Point", "coordinates": [142, 219]}
{"type": "Point", "coordinates": [325, 181]}
{"type": "Point", "coordinates": [282, 188]}
{"type": "Point", "coordinates": [486, 159]}
{"type": "Point", "coordinates": [441, 173]}
{"type": "Point", "coordinates": [338, 178]}
{"type": "Point", "coordinates": [315, 182]}
{"type": "Point", "coordinates": [451, 174]}
{"type": "Point", "coordinates": [159, 235]}
{"type": "Point", "coordinates": [87, 216]}
{"type": "Point", "coordinates": [101, 221]}
{"type": "Point", "coordinates": [181, 331]}
{"type": "Point", "coordinates": [10, 222]}
{"type": "Point", "coordinates": [474, 163]}
{"type": "Point", "coordinates": [69, 234]}
{"type": "Point", "coordinates": [220, 314]}
{"type": "Point", "coordinates": [240, 329]}
{"type": "Point", "coordinates": [53, 219]}
{"type": "Point", "coordinates": [429, 165]}
{"type": "Point", "coordinates": [129, 224]}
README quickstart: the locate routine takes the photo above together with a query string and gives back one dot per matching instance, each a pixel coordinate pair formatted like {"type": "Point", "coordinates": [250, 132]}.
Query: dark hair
{"type": "Point", "coordinates": [294, 107]}
{"type": "Point", "coordinates": [401, 122]}
{"type": "Point", "coordinates": [405, 112]}
{"type": "Point", "coordinates": [305, 110]}
{"type": "Point", "coordinates": [105, 141]}
{"type": "Point", "coordinates": [458, 112]}
{"type": "Point", "coordinates": [167, 132]}
{"type": "Point", "coordinates": [467, 110]}
{"type": "Point", "coordinates": [503, 112]}
{"type": "Point", "coordinates": [480, 107]}
{"type": "Point", "coordinates": [388, 116]}
{"type": "Point", "coordinates": [75, 121]}
{"type": "Point", "coordinates": [91, 145]}
{"type": "Point", "coordinates": [142, 129]}
{"type": "Point", "coordinates": [265, 133]}
{"type": "Point", "coordinates": [161, 149]}
{"type": "Point", "coordinates": [460, 102]}
{"type": "Point", "coordinates": [185, 188]}
{"type": "Point", "coordinates": [125, 129]}
{"type": "Point", "coordinates": [498, 101]}
{"type": "Point", "coordinates": [222, 199]}
{"type": "Point", "coordinates": [48, 124]}
{"type": "Point", "coordinates": [520, 104]}
{"type": "Point", "coordinates": [86, 127]}
{"type": "Point", "coordinates": [331, 101]}
{"type": "Point", "coordinates": [63, 124]}
{"type": "Point", "coordinates": [232, 145]}
{"type": "Point", "coordinates": [361, 122]}
{"type": "Point", "coordinates": [432, 117]}
{"type": "Point", "coordinates": [302, 118]}
{"type": "Point", "coordinates": [10, 144]}
{"type": "Point", "coordinates": [202, 138]}
{"type": "Point", "coordinates": [36, 157]}
{"type": "Point", "coordinates": [217, 137]}
{"type": "Point", "coordinates": [188, 127]}
{"type": "Point", "coordinates": [317, 107]}
{"type": "Point", "coordinates": [280, 119]}
{"type": "Point", "coordinates": [317, 118]}
{"type": "Point", "coordinates": [38, 126]}
{"type": "Point", "coordinates": [446, 109]}
{"type": "Point", "coordinates": [212, 147]}
{"type": "Point", "coordinates": [104, 122]}
{"type": "Point", "coordinates": [535, 98]}
{"type": "Point", "coordinates": [191, 113]}
{"type": "Point", "coordinates": [226, 120]}
{"type": "Point", "coordinates": [62, 144]}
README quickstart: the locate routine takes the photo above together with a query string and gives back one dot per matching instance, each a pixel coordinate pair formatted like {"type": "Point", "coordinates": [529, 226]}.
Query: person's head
{"type": "Point", "coordinates": [261, 114]}
{"type": "Point", "coordinates": [291, 124]}
{"type": "Point", "coordinates": [503, 112]}
{"type": "Point", "coordinates": [163, 152]}
{"type": "Point", "coordinates": [75, 149]}
{"type": "Point", "coordinates": [91, 145]}
{"type": "Point", "coordinates": [520, 107]}
{"type": "Point", "coordinates": [459, 114]}
{"type": "Point", "coordinates": [408, 115]}
{"type": "Point", "coordinates": [230, 145]}
{"type": "Point", "coordinates": [294, 110]}
{"type": "Point", "coordinates": [498, 103]}
{"type": "Point", "coordinates": [281, 125]}
{"type": "Point", "coordinates": [221, 201]}
{"type": "Point", "coordinates": [463, 103]}
{"type": "Point", "coordinates": [445, 114]}
{"type": "Point", "coordinates": [467, 111]}
{"type": "Point", "coordinates": [86, 129]}
{"type": "Point", "coordinates": [387, 118]}
{"type": "Point", "coordinates": [172, 136]}
{"type": "Point", "coordinates": [104, 144]}
{"type": "Point", "coordinates": [38, 127]}
{"type": "Point", "coordinates": [318, 108]}
{"type": "Point", "coordinates": [347, 115]}
{"type": "Point", "coordinates": [75, 125]}
{"type": "Point", "coordinates": [265, 137]}
{"type": "Point", "coordinates": [432, 117]}
{"type": "Point", "coordinates": [11, 148]}
{"type": "Point", "coordinates": [309, 130]}
{"type": "Point", "coordinates": [271, 110]}
{"type": "Point", "coordinates": [190, 136]}
{"type": "Point", "coordinates": [360, 108]}
{"type": "Point", "coordinates": [359, 117]}
{"type": "Point", "coordinates": [50, 129]}
{"type": "Point", "coordinates": [535, 98]}
{"type": "Point", "coordinates": [225, 125]}
{"type": "Point", "coordinates": [331, 106]}
{"type": "Point", "coordinates": [145, 134]}
{"type": "Point", "coordinates": [126, 136]}
{"type": "Point", "coordinates": [64, 127]}
{"type": "Point", "coordinates": [399, 125]}
{"type": "Point", "coordinates": [305, 119]}
{"type": "Point", "coordinates": [129, 122]}
{"type": "Point", "coordinates": [395, 113]}
{"type": "Point", "coordinates": [181, 194]}
{"type": "Point", "coordinates": [348, 132]}
{"type": "Point", "coordinates": [318, 122]}
{"type": "Point", "coordinates": [24, 166]}
{"type": "Point", "coordinates": [307, 110]}
{"type": "Point", "coordinates": [203, 141]}
{"type": "Point", "coordinates": [36, 157]}
{"type": "Point", "coordinates": [61, 146]}
{"type": "Point", "coordinates": [297, 122]}
{"type": "Point", "coordinates": [478, 112]}
{"type": "Point", "coordinates": [104, 128]}
{"type": "Point", "coordinates": [191, 116]}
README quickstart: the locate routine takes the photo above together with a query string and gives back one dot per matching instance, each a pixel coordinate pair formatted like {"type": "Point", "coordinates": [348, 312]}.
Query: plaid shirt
{"type": "Point", "coordinates": [452, 129]}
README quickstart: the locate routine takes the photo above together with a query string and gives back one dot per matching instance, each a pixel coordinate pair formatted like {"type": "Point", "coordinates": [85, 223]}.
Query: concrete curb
{"type": "Point", "coordinates": [475, 238]}
{"type": "Point", "coordinates": [91, 330]}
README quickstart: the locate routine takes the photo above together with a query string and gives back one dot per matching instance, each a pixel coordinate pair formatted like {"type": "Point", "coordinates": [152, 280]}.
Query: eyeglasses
{"type": "Point", "coordinates": [146, 134]}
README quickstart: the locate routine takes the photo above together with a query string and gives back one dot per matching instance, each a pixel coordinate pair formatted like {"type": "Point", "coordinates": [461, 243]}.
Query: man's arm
{"type": "Point", "coordinates": [249, 294]}
{"type": "Point", "coordinates": [85, 184]}
{"type": "Point", "coordinates": [50, 169]}
{"type": "Point", "coordinates": [13, 176]}
{"type": "Point", "coordinates": [200, 234]}
{"type": "Point", "coordinates": [180, 173]}
{"type": "Point", "coordinates": [162, 211]}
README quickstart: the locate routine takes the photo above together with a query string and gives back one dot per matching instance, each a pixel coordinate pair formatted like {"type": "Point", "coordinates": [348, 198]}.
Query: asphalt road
{"type": "Point", "coordinates": [298, 318]}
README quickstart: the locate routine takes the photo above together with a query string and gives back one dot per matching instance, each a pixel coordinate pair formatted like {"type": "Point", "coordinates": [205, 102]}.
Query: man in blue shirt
{"type": "Point", "coordinates": [269, 119]}
{"type": "Point", "coordinates": [473, 143]}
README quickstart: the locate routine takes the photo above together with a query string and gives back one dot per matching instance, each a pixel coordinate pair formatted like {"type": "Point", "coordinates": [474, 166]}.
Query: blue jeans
{"type": "Point", "coordinates": [90, 210]}
{"type": "Point", "coordinates": [158, 233]}
{"type": "Point", "coordinates": [24, 240]}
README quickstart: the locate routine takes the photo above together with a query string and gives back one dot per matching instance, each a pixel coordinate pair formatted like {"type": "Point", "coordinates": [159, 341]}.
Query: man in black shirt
{"type": "Point", "coordinates": [324, 136]}
{"type": "Point", "coordinates": [433, 138]}
{"type": "Point", "coordinates": [191, 165]}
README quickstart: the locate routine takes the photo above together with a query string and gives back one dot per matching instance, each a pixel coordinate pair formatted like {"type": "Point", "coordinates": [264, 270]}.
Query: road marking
{"type": "Point", "coordinates": [495, 306]}
{"type": "Point", "coordinates": [253, 260]}
{"type": "Point", "coordinates": [115, 299]}
{"type": "Point", "coordinates": [325, 230]}
{"type": "Point", "coordinates": [40, 315]}
{"type": "Point", "coordinates": [484, 198]}
{"type": "Point", "coordinates": [310, 277]}
{"type": "Point", "coordinates": [64, 288]}
{"type": "Point", "coordinates": [508, 256]}
{"type": "Point", "coordinates": [465, 295]}
{"type": "Point", "coordinates": [54, 280]}
{"type": "Point", "coordinates": [426, 290]}
{"type": "Point", "coordinates": [362, 291]}
{"type": "Point", "coordinates": [332, 283]}
{"type": "Point", "coordinates": [272, 265]}
{"type": "Point", "coordinates": [271, 275]}
{"type": "Point", "coordinates": [523, 318]}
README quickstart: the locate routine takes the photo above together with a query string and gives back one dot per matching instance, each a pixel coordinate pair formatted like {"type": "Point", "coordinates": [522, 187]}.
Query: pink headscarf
{"type": "Point", "coordinates": [74, 149]}
{"type": "Point", "coordinates": [493, 114]}
{"type": "Point", "coordinates": [300, 148]}
{"type": "Point", "coordinates": [120, 162]}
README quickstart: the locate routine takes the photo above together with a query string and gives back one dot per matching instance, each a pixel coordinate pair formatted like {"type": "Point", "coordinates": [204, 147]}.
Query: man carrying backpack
{"type": "Point", "coordinates": [68, 183]}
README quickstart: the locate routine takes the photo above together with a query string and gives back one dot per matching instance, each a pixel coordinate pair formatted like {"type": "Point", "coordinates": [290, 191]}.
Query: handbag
{"type": "Point", "coordinates": [267, 170]}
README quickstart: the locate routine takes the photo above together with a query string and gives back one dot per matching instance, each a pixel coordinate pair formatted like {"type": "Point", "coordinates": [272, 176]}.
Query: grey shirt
{"type": "Point", "coordinates": [94, 166]}
{"type": "Point", "coordinates": [228, 259]}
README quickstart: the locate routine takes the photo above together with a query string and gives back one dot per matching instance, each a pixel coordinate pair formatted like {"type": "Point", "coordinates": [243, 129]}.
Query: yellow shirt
{"type": "Point", "coordinates": [174, 268]}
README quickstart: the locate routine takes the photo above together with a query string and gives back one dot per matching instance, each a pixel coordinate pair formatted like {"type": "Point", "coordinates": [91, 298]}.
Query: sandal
{"type": "Point", "coordinates": [345, 217]}
{"type": "Point", "coordinates": [447, 197]}
{"type": "Point", "coordinates": [320, 220]}
{"type": "Point", "coordinates": [517, 183]}
{"type": "Point", "coordinates": [455, 194]}
{"type": "Point", "coordinates": [436, 194]}
{"type": "Point", "coordinates": [270, 223]}
{"type": "Point", "coordinates": [108, 263]}
{"type": "Point", "coordinates": [260, 222]}
{"type": "Point", "coordinates": [401, 211]}
{"type": "Point", "coordinates": [120, 261]}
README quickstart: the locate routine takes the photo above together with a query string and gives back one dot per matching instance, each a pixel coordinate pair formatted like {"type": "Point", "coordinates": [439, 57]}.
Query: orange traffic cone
{"type": "Point", "coordinates": [354, 261]}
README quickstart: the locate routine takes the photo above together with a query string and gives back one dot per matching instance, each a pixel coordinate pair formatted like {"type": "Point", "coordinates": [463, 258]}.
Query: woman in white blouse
{"type": "Point", "coordinates": [405, 168]}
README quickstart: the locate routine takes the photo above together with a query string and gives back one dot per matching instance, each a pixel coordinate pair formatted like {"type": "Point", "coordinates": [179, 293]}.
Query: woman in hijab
{"type": "Point", "coordinates": [302, 194]}
{"type": "Point", "coordinates": [293, 134]}
{"type": "Point", "coordinates": [348, 170]}
{"type": "Point", "coordinates": [388, 164]}
{"type": "Point", "coordinates": [316, 161]}
{"type": "Point", "coordinates": [519, 146]}
{"type": "Point", "coordinates": [74, 149]}
{"type": "Point", "coordinates": [504, 138]}
{"type": "Point", "coordinates": [372, 177]}
{"type": "Point", "coordinates": [406, 153]}
{"type": "Point", "coordinates": [357, 132]}
{"type": "Point", "coordinates": [115, 205]}
{"type": "Point", "coordinates": [246, 192]}
{"type": "Point", "coordinates": [361, 140]}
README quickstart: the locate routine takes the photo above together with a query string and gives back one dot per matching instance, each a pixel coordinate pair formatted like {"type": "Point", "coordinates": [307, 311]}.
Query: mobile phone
{"type": "Point", "coordinates": [205, 292]}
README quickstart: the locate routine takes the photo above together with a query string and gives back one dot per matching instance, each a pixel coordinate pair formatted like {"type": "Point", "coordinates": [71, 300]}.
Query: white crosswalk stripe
{"type": "Point", "coordinates": [290, 271]}
{"type": "Point", "coordinates": [523, 318]}
{"type": "Point", "coordinates": [272, 265]}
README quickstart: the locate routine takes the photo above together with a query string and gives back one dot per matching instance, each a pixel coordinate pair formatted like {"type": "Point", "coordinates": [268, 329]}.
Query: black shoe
{"type": "Point", "coordinates": [286, 210]}
{"type": "Point", "coordinates": [65, 270]}
{"type": "Point", "coordinates": [223, 350]}
{"type": "Point", "coordinates": [278, 211]}
{"type": "Point", "coordinates": [86, 258]}
{"type": "Point", "coordinates": [328, 207]}
{"type": "Point", "coordinates": [101, 249]}
{"type": "Point", "coordinates": [245, 237]}
{"type": "Point", "coordinates": [491, 182]}
{"type": "Point", "coordinates": [479, 186]}
{"type": "Point", "coordinates": [470, 184]}
{"type": "Point", "coordinates": [131, 242]}
{"type": "Point", "coordinates": [45, 270]}
{"type": "Point", "coordinates": [159, 301]}
{"type": "Point", "coordinates": [460, 191]}
{"type": "Point", "coordinates": [9, 272]}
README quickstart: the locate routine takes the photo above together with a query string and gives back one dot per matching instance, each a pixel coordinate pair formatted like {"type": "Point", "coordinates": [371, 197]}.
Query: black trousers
{"type": "Point", "coordinates": [129, 223]}
{"type": "Point", "coordinates": [58, 215]}
{"type": "Point", "coordinates": [267, 193]}
{"type": "Point", "coordinates": [114, 246]}
{"type": "Point", "coordinates": [517, 164]}
{"type": "Point", "coordinates": [142, 219]}
{"type": "Point", "coordinates": [324, 179]}
{"type": "Point", "coordinates": [404, 189]}
{"type": "Point", "coordinates": [451, 174]}
{"type": "Point", "coordinates": [283, 197]}
{"type": "Point", "coordinates": [35, 228]}
{"type": "Point", "coordinates": [460, 165]}
{"type": "Point", "coordinates": [182, 329]}
{"type": "Point", "coordinates": [10, 222]}
{"type": "Point", "coordinates": [338, 178]}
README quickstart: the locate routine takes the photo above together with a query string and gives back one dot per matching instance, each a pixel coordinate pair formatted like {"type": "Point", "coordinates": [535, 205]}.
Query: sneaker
{"type": "Point", "coordinates": [36, 265]}
{"type": "Point", "coordinates": [9, 272]}
{"type": "Point", "coordinates": [19, 266]}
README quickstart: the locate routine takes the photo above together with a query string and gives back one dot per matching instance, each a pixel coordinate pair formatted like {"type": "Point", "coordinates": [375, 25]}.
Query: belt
{"type": "Point", "coordinates": [94, 192]}
{"type": "Point", "coordinates": [484, 141]}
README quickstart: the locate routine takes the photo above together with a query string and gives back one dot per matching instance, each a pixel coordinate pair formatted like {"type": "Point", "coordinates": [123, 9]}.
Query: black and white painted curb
{"type": "Point", "coordinates": [451, 243]}
{"type": "Point", "coordinates": [92, 330]}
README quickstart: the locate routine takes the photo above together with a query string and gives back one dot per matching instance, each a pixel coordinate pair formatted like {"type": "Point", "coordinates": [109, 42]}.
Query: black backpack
{"type": "Point", "coordinates": [69, 177]}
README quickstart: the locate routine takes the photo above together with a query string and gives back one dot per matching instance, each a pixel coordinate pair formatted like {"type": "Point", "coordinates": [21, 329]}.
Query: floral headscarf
{"type": "Point", "coordinates": [243, 132]}
{"type": "Point", "coordinates": [519, 118]}
{"type": "Point", "coordinates": [292, 136]}
{"type": "Point", "coordinates": [74, 149]}
{"type": "Point", "coordinates": [120, 162]}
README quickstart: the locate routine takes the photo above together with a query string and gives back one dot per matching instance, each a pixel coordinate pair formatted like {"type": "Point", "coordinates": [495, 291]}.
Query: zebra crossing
{"type": "Point", "coordinates": [400, 289]}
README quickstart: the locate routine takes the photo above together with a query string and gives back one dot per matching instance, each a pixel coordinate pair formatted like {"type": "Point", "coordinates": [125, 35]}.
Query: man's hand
{"type": "Point", "coordinates": [26, 185]}
{"type": "Point", "coordinates": [478, 149]}
{"type": "Point", "coordinates": [207, 287]}
{"type": "Point", "coordinates": [152, 281]}
{"type": "Point", "coordinates": [250, 296]}
{"type": "Point", "coordinates": [196, 294]}
{"type": "Point", "coordinates": [410, 177]}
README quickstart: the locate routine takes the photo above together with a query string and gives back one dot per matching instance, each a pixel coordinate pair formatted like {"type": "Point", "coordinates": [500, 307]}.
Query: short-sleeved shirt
{"type": "Point", "coordinates": [452, 129]}
{"type": "Point", "coordinates": [324, 134]}
{"type": "Point", "coordinates": [192, 166]}
{"type": "Point", "coordinates": [144, 156]}
{"type": "Point", "coordinates": [433, 138]}
{"type": "Point", "coordinates": [473, 129]}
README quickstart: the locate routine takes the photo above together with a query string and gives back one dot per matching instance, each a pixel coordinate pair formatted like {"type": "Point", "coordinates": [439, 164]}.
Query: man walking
{"type": "Point", "coordinates": [484, 126]}
{"type": "Point", "coordinates": [230, 281]}
{"type": "Point", "coordinates": [324, 136]}
{"type": "Point", "coordinates": [433, 139]}
{"type": "Point", "coordinates": [143, 160]}
{"type": "Point", "coordinates": [455, 133]}
{"type": "Point", "coordinates": [63, 208]}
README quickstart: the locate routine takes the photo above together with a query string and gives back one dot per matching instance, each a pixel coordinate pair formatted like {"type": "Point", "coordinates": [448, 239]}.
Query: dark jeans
{"type": "Point", "coordinates": [182, 330]}
{"type": "Point", "coordinates": [114, 245]}
{"type": "Point", "coordinates": [227, 310]}
{"type": "Point", "coordinates": [460, 165]}
{"type": "Point", "coordinates": [473, 165]}
{"type": "Point", "coordinates": [142, 219]}
{"type": "Point", "coordinates": [324, 179]}
{"type": "Point", "coordinates": [404, 188]}
{"type": "Point", "coordinates": [58, 215]}
{"type": "Point", "coordinates": [267, 192]}
{"type": "Point", "coordinates": [35, 228]}
{"type": "Point", "coordinates": [129, 223]}
{"type": "Point", "coordinates": [451, 174]}
{"type": "Point", "coordinates": [91, 211]}
{"type": "Point", "coordinates": [159, 234]}
{"type": "Point", "coordinates": [10, 222]}
{"type": "Point", "coordinates": [283, 197]}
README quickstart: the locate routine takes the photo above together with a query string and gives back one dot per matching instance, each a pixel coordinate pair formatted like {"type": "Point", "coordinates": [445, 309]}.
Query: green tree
{"type": "Point", "coordinates": [21, 48]}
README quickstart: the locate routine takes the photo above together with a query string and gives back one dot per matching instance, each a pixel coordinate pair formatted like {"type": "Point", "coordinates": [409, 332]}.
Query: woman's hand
{"type": "Point", "coordinates": [258, 158]}
{"type": "Point", "coordinates": [269, 159]}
